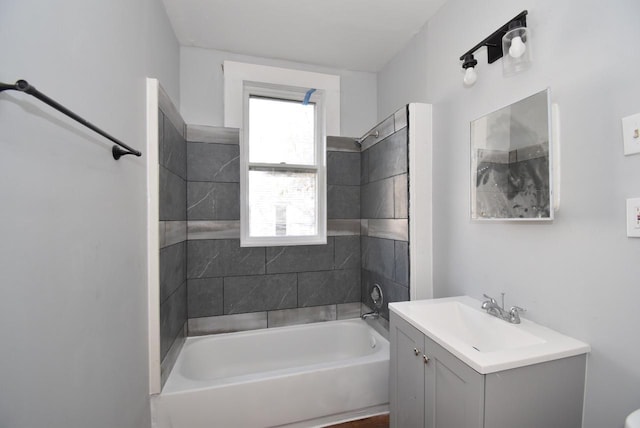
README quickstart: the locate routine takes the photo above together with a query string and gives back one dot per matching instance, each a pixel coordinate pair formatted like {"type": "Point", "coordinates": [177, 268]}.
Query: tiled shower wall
{"type": "Point", "coordinates": [218, 286]}
{"type": "Point", "coordinates": [234, 288]}
{"type": "Point", "coordinates": [384, 211]}
{"type": "Point", "coordinates": [173, 236]}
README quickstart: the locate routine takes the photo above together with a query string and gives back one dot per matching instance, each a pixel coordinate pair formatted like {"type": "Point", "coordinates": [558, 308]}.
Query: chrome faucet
{"type": "Point", "coordinates": [491, 306]}
{"type": "Point", "coordinates": [373, 314]}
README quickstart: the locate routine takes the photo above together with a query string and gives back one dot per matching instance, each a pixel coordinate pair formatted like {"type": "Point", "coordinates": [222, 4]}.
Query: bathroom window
{"type": "Point", "coordinates": [282, 155]}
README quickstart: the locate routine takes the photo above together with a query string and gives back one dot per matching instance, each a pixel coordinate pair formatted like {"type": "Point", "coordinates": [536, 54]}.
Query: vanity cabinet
{"type": "Point", "coordinates": [431, 388]}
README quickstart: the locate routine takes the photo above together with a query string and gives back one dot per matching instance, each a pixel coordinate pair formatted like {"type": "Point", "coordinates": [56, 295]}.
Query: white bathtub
{"type": "Point", "coordinates": [302, 375]}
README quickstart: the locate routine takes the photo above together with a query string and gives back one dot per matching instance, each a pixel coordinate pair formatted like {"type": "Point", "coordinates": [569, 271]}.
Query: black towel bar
{"type": "Point", "coordinates": [24, 86]}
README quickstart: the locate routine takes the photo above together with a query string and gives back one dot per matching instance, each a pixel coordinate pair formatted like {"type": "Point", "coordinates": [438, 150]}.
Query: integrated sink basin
{"type": "Point", "coordinates": [484, 342]}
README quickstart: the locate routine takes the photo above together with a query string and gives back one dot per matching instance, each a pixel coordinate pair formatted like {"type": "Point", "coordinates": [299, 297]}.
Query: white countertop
{"type": "Point", "coordinates": [484, 342]}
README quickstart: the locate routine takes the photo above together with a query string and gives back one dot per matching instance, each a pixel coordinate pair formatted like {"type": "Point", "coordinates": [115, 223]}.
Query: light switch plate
{"type": "Point", "coordinates": [631, 134]}
{"type": "Point", "coordinates": [633, 218]}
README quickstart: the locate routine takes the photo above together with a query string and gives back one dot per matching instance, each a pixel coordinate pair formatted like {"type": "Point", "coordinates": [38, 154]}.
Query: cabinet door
{"type": "Point", "coordinates": [454, 392]}
{"type": "Point", "coordinates": [407, 375]}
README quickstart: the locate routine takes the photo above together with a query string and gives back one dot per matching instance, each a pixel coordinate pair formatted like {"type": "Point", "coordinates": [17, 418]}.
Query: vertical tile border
{"type": "Point", "coordinates": [159, 234]}
{"type": "Point", "coordinates": [172, 355]}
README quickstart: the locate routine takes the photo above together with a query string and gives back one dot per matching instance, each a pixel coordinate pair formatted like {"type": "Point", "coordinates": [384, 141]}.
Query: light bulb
{"type": "Point", "coordinates": [517, 48]}
{"type": "Point", "coordinates": [470, 76]}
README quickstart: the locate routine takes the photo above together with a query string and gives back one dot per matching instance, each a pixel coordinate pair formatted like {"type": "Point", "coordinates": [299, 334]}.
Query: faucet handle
{"type": "Point", "coordinates": [514, 314]}
{"type": "Point", "coordinates": [490, 298]}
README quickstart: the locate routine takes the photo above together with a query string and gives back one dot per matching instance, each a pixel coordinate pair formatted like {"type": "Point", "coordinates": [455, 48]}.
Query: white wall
{"type": "Point", "coordinates": [201, 89]}
{"type": "Point", "coordinates": [404, 79]}
{"type": "Point", "coordinates": [579, 274]}
{"type": "Point", "coordinates": [72, 257]}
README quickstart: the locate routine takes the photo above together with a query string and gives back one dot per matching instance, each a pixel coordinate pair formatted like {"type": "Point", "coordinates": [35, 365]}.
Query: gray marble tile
{"type": "Point", "coordinates": [378, 255]}
{"type": "Point", "coordinates": [348, 310]}
{"type": "Point", "coordinates": [343, 227]}
{"type": "Point", "coordinates": [343, 168]}
{"type": "Point", "coordinates": [212, 134]}
{"type": "Point", "coordinates": [300, 258]}
{"type": "Point", "coordinates": [174, 150]}
{"type": "Point", "coordinates": [260, 293]}
{"type": "Point", "coordinates": [172, 355]}
{"type": "Point", "coordinates": [389, 157]}
{"type": "Point", "coordinates": [227, 323]}
{"type": "Point", "coordinates": [173, 196]}
{"type": "Point", "coordinates": [161, 120]}
{"type": "Point", "coordinates": [401, 196]}
{"type": "Point", "coordinates": [384, 128]}
{"type": "Point", "coordinates": [173, 315]}
{"type": "Point", "coordinates": [376, 199]}
{"type": "Point", "coordinates": [388, 228]}
{"type": "Point", "coordinates": [174, 232]}
{"type": "Point", "coordinates": [213, 229]}
{"type": "Point", "coordinates": [391, 290]}
{"type": "Point", "coordinates": [343, 202]}
{"type": "Point", "coordinates": [223, 257]}
{"type": "Point", "coordinates": [213, 201]}
{"type": "Point", "coordinates": [301, 316]}
{"type": "Point", "coordinates": [173, 260]}
{"type": "Point", "coordinates": [328, 287]}
{"type": "Point", "coordinates": [213, 162]}
{"type": "Point", "coordinates": [400, 118]}
{"type": "Point", "coordinates": [204, 297]}
{"type": "Point", "coordinates": [342, 144]}
{"type": "Point", "coordinates": [402, 263]}
{"type": "Point", "coordinates": [364, 167]}
{"type": "Point", "coordinates": [394, 293]}
{"type": "Point", "coordinates": [347, 252]}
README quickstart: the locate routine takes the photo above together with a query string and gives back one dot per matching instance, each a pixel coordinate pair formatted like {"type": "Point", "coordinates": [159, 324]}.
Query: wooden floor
{"type": "Point", "coordinates": [381, 421]}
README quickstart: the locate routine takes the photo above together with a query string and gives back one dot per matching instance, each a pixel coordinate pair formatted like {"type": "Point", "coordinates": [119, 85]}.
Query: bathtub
{"type": "Point", "coordinates": [299, 376]}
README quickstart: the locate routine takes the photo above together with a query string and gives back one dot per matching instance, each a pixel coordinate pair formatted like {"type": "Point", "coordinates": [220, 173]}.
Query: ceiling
{"type": "Point", "coordinates": [359, 35]}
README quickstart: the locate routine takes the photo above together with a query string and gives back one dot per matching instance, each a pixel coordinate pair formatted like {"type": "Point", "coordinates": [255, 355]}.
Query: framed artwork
{"type": "Point", "coordinates": [511, 177]}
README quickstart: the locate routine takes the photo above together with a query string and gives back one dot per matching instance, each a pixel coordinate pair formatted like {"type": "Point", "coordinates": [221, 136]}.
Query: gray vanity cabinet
{"type": "Point", "coordinates": [407, 375]}
{"type": "Point", "coordinates": [431, 388]}
{"type": "Point", "coordinates": [454, 392]}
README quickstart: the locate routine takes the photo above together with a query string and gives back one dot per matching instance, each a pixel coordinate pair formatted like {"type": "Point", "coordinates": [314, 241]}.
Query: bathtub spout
{"type": "Point", "coordinates": [373, 314]}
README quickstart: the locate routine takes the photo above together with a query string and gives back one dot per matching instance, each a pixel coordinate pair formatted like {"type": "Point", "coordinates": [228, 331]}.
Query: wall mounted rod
{"type": "Point", "coordinates": [23, 86]}
{"type": "Point", "coordinates": [494, 41]}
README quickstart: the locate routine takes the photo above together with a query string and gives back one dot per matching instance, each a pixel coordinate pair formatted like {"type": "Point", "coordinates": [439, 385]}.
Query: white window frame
{"type": "Point", "coordinates": [237, 73]}
{"type": "Point", "coordinates": [319, 167]}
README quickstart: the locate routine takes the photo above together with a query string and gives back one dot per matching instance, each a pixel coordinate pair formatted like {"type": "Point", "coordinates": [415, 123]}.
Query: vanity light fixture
{"type": "Point", "coordinates": [517, 55]}
{"type": "Point", "coordinates": [511, 40]}
{"type": "Point", "coordinates": [470, 75]}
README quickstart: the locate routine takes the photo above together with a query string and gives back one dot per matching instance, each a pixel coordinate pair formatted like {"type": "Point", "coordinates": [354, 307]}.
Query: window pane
{"type": "Point", "coordinates": [282, 203]}
{"type": "Point", "coordinates": [281, 131]}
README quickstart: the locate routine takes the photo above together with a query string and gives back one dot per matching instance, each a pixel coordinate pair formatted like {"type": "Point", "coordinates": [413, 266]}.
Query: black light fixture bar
{"type": "Point", "coordinates": [494, 41]}
{"type": "Point", "coordinates": [117, 151]}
